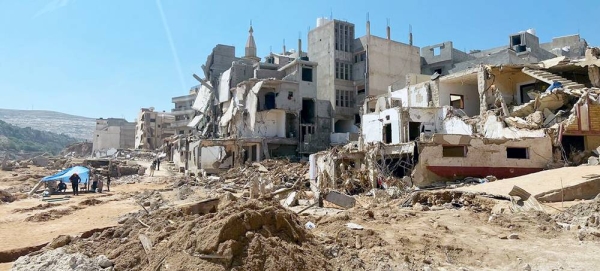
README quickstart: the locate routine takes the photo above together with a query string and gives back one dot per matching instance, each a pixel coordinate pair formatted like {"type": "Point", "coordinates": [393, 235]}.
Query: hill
{"type": "Point", "coordinates": [59, 123]}
{"type": "Point", "coordinates": [16, 139]}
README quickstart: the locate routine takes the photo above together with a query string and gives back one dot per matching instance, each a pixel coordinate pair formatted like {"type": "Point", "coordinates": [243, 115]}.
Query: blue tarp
{"type": "Point", "coordinates": [83, 172]}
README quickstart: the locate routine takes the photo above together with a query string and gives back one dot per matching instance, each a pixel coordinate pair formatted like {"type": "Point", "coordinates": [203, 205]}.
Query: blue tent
{"type": "Point", "coordinates": [83, 172]}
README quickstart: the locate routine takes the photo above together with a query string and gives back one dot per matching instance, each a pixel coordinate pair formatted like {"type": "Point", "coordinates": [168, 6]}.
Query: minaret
{"type": "Point", "coordinates": [251, 46]}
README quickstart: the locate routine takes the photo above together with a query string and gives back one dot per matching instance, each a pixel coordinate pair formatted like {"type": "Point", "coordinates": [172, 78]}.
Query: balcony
{"type": "Point", "coordinates": [182, 111]}
{"type": "Point", "coordinates": [186, 98]}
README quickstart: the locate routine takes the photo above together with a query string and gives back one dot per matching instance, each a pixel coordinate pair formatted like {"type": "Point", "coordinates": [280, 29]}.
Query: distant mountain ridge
{"type": "Point", "coordinates": [78, 127]}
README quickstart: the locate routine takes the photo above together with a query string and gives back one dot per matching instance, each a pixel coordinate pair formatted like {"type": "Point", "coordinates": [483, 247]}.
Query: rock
{"type": "Point", "coordinates": [527, 267]}
{"type": "Point", "coordinates": [104, 262]}
{"type": "Point", "coordinates": [420, 207]}
{"type": "Point", "coordinates": [369, 214]}
{"type": "Point", "coordinates": [249, 235]}
{"type": "Point", "coordinates": [592, 161]}
{"type": "Point", "coordinates": [435, 225]}
{"type": "Point", "coordinates": [123, 219]}
{"type": "Point", "coordinates": [513, 236]}
{"type": "Point", "coordinates": [60, 241]}
{"type": "Point", "coordinates": [491, 178]}
{"type": "Point", "coordinates": [358, 243]}
{"type": "Point", "coordinates": [502, 236]}
{"type": "Point", "coordinates": [146, 203]}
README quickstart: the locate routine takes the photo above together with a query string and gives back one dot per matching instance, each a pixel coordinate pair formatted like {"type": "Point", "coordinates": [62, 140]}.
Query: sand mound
{"type": "Point", "coordinates": [248, 235]}
{"type": "Point", "coordinates": [90, 202]}
{"type": "Point", "coordinates": [42, 206]}
{"type": "Point", "coordinates": [52, 214]}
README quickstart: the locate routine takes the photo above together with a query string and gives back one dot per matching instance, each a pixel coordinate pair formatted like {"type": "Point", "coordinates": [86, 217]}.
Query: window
{"type": "Point", "coordinates": [439, 71]}
{"type": "Point", "coordinates": [307, 74]}
{"type": "Point", "coordinates": [517, 153]}
{"type": "Point", "coordinates": [437, 51]}
{"type": "Point", "coordinates": [290, 95]}
{"type": "Point", "coordinates": [344, 98]}
{"type": "Point", "coordinates": [344, 37]}
{"type": "Point", "coordinates": [457, 101]}
{"type": "Point", "coordinates": [343, 71]}
{"type": "Point", "coordinates": [152, 120]}
{"type": "Point", "coordinates": [360, 57]}
{"type": "Point", "coordinates": [454, 151]}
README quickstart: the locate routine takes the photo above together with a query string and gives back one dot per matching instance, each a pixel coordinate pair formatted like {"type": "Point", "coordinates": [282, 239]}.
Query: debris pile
{"type": "Point", "coordinates": [80, 149]}
{"type": "Point", "coordinates": [59, 260]}
{"type": "Point", "coordinates": [248, 235]}
{"type": "Point", "coordinates": [6, 197]}
{"type": "Point", "coordinates": [583, 218]}
{"type": "Point", "coordinates": [435, 200]}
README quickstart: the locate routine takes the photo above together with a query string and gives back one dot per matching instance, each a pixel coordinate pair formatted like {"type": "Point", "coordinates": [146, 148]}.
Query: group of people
{"type": "Point", "coordinates": [75, 180]}
{"type": "Point", "coordinates": [154, 166]}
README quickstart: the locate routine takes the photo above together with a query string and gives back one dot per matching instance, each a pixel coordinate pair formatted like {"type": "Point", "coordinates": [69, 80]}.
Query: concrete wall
{"type": "Point", "coordinates": [373, 123]}
{"type": "Point", "coordinates": [413, 96]}
{"type": "Point", "coordinates": [469, 92]}
{"type": "Point", "coordinates": [321, 45]}
{"type": "Point", "coordinates": [508, 83]}
{"type": "Point", "coordinates": [482, 155]}
{"type": "Point", "coordinates": [108, 137]}
{"type": "Point", "coordinates": [269, 123]}
{"type": "Point", "coordinates": [113, 133]}
{"type": "Point", "coordinates": [389, 63]}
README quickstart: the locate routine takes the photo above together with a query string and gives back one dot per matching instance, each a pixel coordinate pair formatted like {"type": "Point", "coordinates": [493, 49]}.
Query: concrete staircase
{"type": "Point", "coordinates": [568, 86]}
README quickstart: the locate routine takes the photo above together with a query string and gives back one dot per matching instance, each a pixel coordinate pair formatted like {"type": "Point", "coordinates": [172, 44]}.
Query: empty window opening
{"type": "Point", "coordinates": [291, 127]}
{"type": "Point", "coordinates": [307, 74]}
{"type": "Point", "coordinates": [437, 51]}
{"type": "Point", "coordinates": [357, 119]}
{"type": "Point", "coordinates": [269, 100]}
{"type": "Point", "coordinates": [457, 101]}
{"type": "Point", "coordinates": [307, 114]}
{"type": "Point", "coordinates": [387, 133]}
{"type": "Point", "coordinates": [414, 130]}
{"type": "Point", "coordinates": [517, 153]}
{"type": "Point", "coordinates": [438, 71]}
{"type": "Point", "coordinates": [515, 40]}
{"type": "Point", "coordinates": [573, 144]}
{"type": "Point", "coordinates": [454, 151]}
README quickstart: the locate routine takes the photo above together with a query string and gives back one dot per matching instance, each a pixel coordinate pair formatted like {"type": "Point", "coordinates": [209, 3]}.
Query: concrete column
{"type": "Point", "coordinates": [481, 87]}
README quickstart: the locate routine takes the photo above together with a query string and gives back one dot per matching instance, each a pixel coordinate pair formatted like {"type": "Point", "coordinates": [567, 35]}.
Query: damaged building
{"type": "Point", "coordinates": [112, 134]}
{"type": "Point", "coordinates": [152, 128]}
{"type": "Point", "coordinates": [500, 120]}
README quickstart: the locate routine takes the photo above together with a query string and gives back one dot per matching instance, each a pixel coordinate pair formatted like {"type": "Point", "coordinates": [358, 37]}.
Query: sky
{"type": "Point", "coordinates": [109, 58]}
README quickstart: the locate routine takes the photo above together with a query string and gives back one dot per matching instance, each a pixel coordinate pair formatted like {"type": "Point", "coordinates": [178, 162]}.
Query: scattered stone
{"type": "Point", "coordinates": [56, 260]}
{"type": "Point", "coordinates": [369, 214]}
{"type": "Point", "coordinates": [502, 236]}
{"type": "Point", "coordinates": [104, 262]}
{"type": "Point", "coordinates": [358, 243]}
{"type": "Point", "coordinates": [527, 267]}
{"type": "Point", "coordinates": [419, 207]}
{"type": "Point", "coordinates": [513, 236]}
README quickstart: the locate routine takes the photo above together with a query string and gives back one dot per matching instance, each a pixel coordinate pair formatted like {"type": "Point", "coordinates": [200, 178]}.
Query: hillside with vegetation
{"type": "Point", "coordinates": [16, 139]}
{"type": "Point", "coordinates": [56, 122]}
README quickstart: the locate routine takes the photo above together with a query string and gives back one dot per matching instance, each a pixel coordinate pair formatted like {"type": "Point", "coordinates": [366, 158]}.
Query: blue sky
{"type": "Point", "coordinates": [108, 58]}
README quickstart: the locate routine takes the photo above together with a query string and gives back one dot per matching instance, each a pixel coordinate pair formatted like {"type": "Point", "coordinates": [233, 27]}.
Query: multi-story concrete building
{"type": "Point", "coordinates": [183, 111]}
{"type": "Point", "coordinates": [351, 69]}
{"type": "Point", "coordinates": [113, 133]}
{"type": "Point", "coordinates": [523, 47]}
{"type": "Point", "coordinates": [152, 128]}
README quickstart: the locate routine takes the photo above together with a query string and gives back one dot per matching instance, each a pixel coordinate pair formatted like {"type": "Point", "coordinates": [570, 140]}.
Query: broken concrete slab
{"type": "Point", "coordinates": [340, 199]}
{"type": "Point", "coordinates": [568, 183]}
{"type": "Point", "coordinates": [291, 200]}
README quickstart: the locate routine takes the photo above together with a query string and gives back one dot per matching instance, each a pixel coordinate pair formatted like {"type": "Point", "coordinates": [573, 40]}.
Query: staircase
{"type": "Point", "coordinates": [568, 86]}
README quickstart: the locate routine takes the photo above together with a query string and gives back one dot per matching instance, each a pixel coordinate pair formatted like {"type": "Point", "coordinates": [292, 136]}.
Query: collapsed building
{"type": "Point", "coordinates": [501, 120]}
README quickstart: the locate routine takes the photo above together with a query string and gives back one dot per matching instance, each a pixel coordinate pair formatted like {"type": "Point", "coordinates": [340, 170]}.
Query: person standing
{"type": "Point", "coordinates": [108, 182]}
{"type": "Point", "coordinates": [152, 167]}
{"type": "Point", "coordinates": [75, 180]}
{"type": "Point", "coordinates": [157, 163]}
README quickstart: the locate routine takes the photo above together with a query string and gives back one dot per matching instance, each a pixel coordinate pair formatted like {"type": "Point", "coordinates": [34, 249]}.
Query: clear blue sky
{"type": "Point", "coordinates": [108, 58]}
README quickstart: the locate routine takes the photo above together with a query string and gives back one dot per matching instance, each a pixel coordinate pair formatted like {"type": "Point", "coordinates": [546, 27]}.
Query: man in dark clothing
{"type": "Point", "coordinates": [108, 182]}
{"type": "Point", "coordinates": [75, 180]}
{"type": "Point", "coordinates": [62, 187]}
{"type": "Point", "coordinates": [157, 163]}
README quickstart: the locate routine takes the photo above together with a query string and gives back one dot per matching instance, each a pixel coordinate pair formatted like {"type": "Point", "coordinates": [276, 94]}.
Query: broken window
{"type": "Point", "coordinates": [457, 101]}
{"type": "Point", "coordinates": [307, 74]}
{"type": "Point", "coordinates": [517, 153]}
{"type": "Point", "coordinates": [344, 98]}
{"type": "Point", "coordinates": [515, 40]}
{"type": "Point", "coordinates": [454, 151]}
{"type": "Point", "coordinates": [525, 89]}
{"type": "Point", "coordinates": [387, 133]}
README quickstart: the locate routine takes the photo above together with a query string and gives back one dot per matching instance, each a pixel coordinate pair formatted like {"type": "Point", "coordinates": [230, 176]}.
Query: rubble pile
{"type": "Point", "coordinates": [59, 260]}
{"type": "Point", "coordinates": [80, 149]}
{"type": "Point", "coordinates": [282, 170]}
{"type": "Point", "coordinates": [583, 217]}
{"type": "Point", "coordinates": [248, 235]}
{"type": "Point", "coordinates": [435, 200]}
